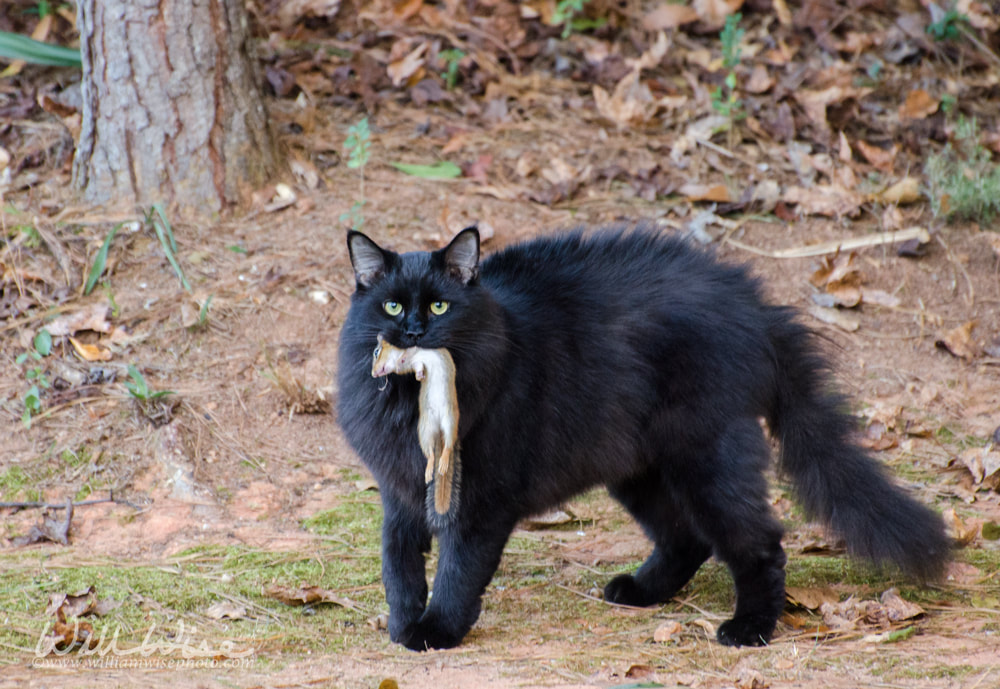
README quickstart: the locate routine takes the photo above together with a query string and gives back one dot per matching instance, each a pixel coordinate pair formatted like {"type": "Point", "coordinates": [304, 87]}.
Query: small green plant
{"type": "Point", "coordinates": [100, 261]}
{"type": "Point", "coordinates": [356, 146]}
{"type": "Point", "coordinates": [569, 13]}
{"type": "Point", "coordinates": [451, 58]}
{"type": "Point", "coordinates": [41, 348]}
{"type": "Point", "coordinates": [947, 24]}
{"type": "Point", "coordinates": [139, 388]}
{"type": "Point", "coordinates": [963, 182]}
{"type": "Point", "coordinates": [725, 102]}
{"type": "Point", "coordinates": [157, 217]}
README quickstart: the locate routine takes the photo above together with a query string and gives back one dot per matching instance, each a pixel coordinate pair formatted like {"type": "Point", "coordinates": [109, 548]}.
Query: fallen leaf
{"type": "Point", "coordinates": [982, 462]}
{"type": "Point", "coordinates": [666, 631]}
{"type": "Point", "coordinates": [881, 158]}
{"type": "Point", "coordinates": [959, 343]}
{"type": "Point", "coordinates": [308, 595]}
{"type": "Point", "coordinates": [898, 609]}
{"type": "Point", "coordinates": [845, 320]}
{"type": "Point", "coordinates": [714, 12]}
{"type": "Point", "coordinates": [93, 317]}
{"type": "Point", "coordinates": [90, 352]}
{"type": "Point", "coordinates": [402, 70]}
{"type": "Point", "coordinates": [918, 104]}
{"type": "Point", "coordinates": [748, 678]}
{"type": "Point", "coordinates": [906, 190]}
{"type": "Point", "coordinates": [668, 16]}
{"type": "Point", "coordinates": [284, 196]}
{"type": "Point", "coordinates": [961, 532]}
{"type": "Point", "coordinates": [825, 199]}
{"type": "Point", "coordinates": [66, 636]}
{"type": "Point", "coordinates": [72, 604]}
{"type": "Point", "coordinates": [840, 278]}
{"type": "Point", "coordinates": [759, 81]}
{"type": "Point", "coordinates": [879, 297]}
{"type": "Point", "coordinates": [706, 192]}
{"type": "Point", "coordinates": [225, 609]}
{"type": "Point", "coordinates": [442, 169]}
{"type": "Point", "coordinates": [547, 519]}
{"type": "Point", "coordinates": [811, 598]}
{"type": "Point", "coordinates": [638, 671]}
{"type": "Point", "coordinates": [54, 527]}
{"type": "Point", "coordinates": [631, 103]}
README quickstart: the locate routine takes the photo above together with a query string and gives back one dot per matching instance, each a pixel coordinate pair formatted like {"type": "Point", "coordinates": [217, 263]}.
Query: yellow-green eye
{"type": "Point", "coordinates": [439, 307]}
{"type": "Point", "coordinates": [393, 308]}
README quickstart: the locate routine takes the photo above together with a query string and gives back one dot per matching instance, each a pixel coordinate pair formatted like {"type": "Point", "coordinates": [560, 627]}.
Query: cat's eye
{"type": "Point", "coordinates": [393, 308]}
{"type": "Point", "coordinates": [439, 307]}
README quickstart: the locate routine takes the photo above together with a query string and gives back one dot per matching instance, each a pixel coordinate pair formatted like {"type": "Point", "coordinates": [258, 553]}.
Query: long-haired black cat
{"type": "Point", "coordinates": [617, 357]}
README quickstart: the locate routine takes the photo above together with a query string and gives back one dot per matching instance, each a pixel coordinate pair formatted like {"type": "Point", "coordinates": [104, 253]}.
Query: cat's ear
{"type": "Point", "coordinates": [461, 256]}
{"type": "Point", "coordinates": [367, 257]}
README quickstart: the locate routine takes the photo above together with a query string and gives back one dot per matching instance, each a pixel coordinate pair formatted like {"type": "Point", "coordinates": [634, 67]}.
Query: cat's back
{"type": "Point", "coordinates": [614, 267]}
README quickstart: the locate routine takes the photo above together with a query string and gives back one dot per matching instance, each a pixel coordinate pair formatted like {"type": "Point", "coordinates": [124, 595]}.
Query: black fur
{"type": "Point", "coordinates": [621, 358]}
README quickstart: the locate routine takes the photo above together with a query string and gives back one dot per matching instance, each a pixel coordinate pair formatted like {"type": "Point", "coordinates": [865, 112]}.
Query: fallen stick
{"type": "Point", "coordinates": [919, 233]}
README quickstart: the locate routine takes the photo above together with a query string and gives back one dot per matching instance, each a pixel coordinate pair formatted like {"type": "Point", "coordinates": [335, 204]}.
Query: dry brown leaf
{"type": "Point", "coordinates": [811, 598]}
{"type": "Point", "coordinates": [959, 343]}
{"type": "Point", "coordinates": [546, 519]}
{"type": "Point", "coordinates": [918, 105]}
{"type": "Point", "coordinates": [308, 595]}
{"type": "Point", "coordinates": [666, 631]}
{"type": "Point", "coordinates": [93, 317]}
{"type": "Point", "coordinates": [879, 297]}
{"type": "Point", "coordinates": [66, 636]}
{"type": "Point", "coordinates": [961, 531]}
{"type": "Point", "coordinates": [815, 102]}
{"type": "Point", "coordinates": [668, 16]}
{"type": "Point", "coordinates": [825, 199]}
{"type": "Point", "coordinates": [906, 190]}
{"type": "Point", "coordinates": [718, 193]}
{"type": "Point", "coordinates": [225, 609]}
{"type": "Point", "coordinates": [882, 159]}
{"type": "Point", "coordinates": [760, 80]}
{"type": "Point", "coordinates": [714, 12]}
{"type": "Point", "coordinates": [890, 610]}
{"type": "Point", "coordinates": [402, 70]}
{"type": "Point", "coordinates": [982, 462]}
{"type": "Point", "coordinates": [292, 11]}
{"type": "Point", "coordinates": [90, 352]}
{"type": "Point", "coordinates": [844, 152]}
{"type": "Point", "coordinates": [845, 320]}
{"type": "Point", "coordinates": [748, 678]}
{"type": "Point", "coordinates": [839, 277]}
{"type": "Point", "coordinates": [72, 604]}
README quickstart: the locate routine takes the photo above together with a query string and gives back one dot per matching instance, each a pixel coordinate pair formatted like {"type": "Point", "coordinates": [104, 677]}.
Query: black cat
{"type": "Point", "coordinates": [616, 357]}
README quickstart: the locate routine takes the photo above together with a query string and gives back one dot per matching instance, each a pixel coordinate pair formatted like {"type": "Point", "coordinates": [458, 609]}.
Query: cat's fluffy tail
{"type": "Point", "coordinates": [834, 480]}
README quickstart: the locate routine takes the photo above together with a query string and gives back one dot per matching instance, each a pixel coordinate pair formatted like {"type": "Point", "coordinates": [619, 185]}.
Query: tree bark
{"type": "Point", "coordinates": [172, 111]}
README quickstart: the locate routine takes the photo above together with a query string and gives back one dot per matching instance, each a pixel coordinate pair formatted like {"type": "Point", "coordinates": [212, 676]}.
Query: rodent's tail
{"type": "Point", "coordinates": [834, 480]}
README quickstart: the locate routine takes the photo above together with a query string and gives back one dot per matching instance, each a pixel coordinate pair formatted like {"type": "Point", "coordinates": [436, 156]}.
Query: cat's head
{"type": "Point", "coordinates": [419, 298]}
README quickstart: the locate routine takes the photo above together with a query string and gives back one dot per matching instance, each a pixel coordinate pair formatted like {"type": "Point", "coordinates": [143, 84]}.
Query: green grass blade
{"type": "Point", "coordinates": [100, 261]}
{"type": "Point", "coordinates": [166, 236]}
{"type": "Point", "coordinates": [440, 170]}
{"type": "Point", "coordinates": [17, 47]}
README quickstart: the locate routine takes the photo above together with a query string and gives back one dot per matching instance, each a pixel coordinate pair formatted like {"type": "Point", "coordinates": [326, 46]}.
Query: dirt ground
{"type": "Point", "coordinates": [252, 448]}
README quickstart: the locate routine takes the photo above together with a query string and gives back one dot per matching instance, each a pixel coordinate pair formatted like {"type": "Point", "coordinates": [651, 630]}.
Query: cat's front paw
{"type": "Point", "coordinates": [426, 634]}
{"type": "Point", "coordinates": [748, 630]}
{"type": "Point", "coordinates": [625, 590]}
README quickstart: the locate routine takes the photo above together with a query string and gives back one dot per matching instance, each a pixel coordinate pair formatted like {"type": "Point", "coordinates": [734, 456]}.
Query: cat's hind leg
{"type": "Point", "coordinates": [729, 500]}
{"type": "Point", "coordinates": [678, 550]}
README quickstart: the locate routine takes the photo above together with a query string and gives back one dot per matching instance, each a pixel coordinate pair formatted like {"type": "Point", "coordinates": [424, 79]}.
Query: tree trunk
{"type": "Point", "coordinates": [172, 111]}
